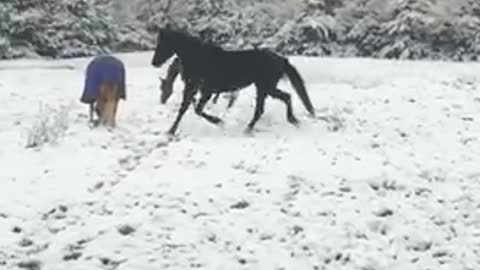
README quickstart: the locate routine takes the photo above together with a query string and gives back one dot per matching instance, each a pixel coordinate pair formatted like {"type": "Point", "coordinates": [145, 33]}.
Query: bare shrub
{"type": "Point", "coordinates": [49, 126]}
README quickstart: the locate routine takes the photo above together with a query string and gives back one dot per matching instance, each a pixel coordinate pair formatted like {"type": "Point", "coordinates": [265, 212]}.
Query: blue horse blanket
{"type": "Point", "coordinates": [103, 69]}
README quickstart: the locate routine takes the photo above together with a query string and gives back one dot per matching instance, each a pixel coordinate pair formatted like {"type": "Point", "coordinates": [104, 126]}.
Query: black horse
{"type": "Point", "coordinates": [211, 69]}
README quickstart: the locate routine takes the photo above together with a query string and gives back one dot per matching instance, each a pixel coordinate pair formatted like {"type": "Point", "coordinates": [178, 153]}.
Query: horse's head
{"type": "Point", "coordinates": [166, 90]}
{"type": "Point", "coordinates": [164, 49]}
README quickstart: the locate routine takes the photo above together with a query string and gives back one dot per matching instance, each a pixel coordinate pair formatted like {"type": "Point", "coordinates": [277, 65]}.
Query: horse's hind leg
{"type": "Point", "coordinates": [215, 98]}
{"type": "Point", "coordinates": [115, 100]}
{"type": "Point", "coordinates": [287, 99]}
{"type": "Point", "coordinates": [101, 107]}
{"type": "Point", "coordinates": [115, 107]}
{"type": "Point", "coordinates": [201, 105]}
{"type": "Point", "coordinates": [233, 97]}
{"type": "Point", "coordinates": [259, 108]}
{"type": "Point", "coordinates": [188, 94]}
{"type": "Point", "coordinates": [110, 105]}
{"type": "Point", "coordinates": [90, 112]}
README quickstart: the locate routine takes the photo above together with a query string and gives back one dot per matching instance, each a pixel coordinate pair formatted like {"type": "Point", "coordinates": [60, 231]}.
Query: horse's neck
{"type": "Point", "coordinates": [188, 49]}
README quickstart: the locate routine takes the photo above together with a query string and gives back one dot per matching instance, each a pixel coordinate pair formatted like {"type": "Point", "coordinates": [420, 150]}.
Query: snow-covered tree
{"type": "Point", "coordinates": [54, 28]}
{"type": "Point", "coordinates": [413, 29]}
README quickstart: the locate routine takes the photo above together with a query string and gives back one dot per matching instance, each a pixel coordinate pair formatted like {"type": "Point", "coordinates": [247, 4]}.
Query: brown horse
{"type": "Point", "coordinates": [104, 87]}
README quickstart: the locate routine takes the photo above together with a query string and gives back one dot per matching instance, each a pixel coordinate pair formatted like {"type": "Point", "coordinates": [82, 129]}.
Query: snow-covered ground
{"type": "Point", "coordinates": [386, 177]}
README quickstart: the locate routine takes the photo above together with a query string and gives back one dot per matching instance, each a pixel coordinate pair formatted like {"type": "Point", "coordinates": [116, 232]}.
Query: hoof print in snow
{"type": "Point", "coordinates": [420, 246]}
{"type": "Point", "coordinates": [345, 189]}
{"type": "Point", "coordinates": [402, 134]}
{"type": "Point", "coordinates": [25, 242]}
{"type": "Point", "coordinates": [72, 256]}
{"type": "Point", "coordinates": [161, 144]}
{"type": "Point", "coordinates": [112, 264]}
{"type": "Point", "coordinates": [97, 186]}
{"type": "Point", "coordinates": [334, 121]}
{"type": "Point", "coordinates": [379, 227]}
{"type": "Point", "coordinates": [266, 237]}
{"type": "Point", "coordinates": [55, 230]}
{"type": "Point", "coordinates": [240, 205]}
{"type": "Point", "coordinates": [251, 169]}
{"type": "Point", "coordinates": [124, 161]}
{"type": "Point", "coordinates": [242, 261]}
{"type": "Point", "coordinates": [441, 254]}
{"type": "Point", "coordinates": [56, 213]}
{"type": "Point", "coordinates": [63, 208]}
{"type": "Point", "coordinates": [128, 163]}
{"type": "Point", "coordinates": [423, 192]}
{"type": "Point", "coordinates": [384, 212]}
{"type": "Point", "coordinates": [212, 238]}
{"type": "Point", "coordinates": [30, 265]}
{"type": "Point", "coordinates": [297, 229]}
{"type": "Point", "coordinates": [343, 258]}
{"type": "Point", "coordinates": [126, 230]}
{"type": "Point", "coordinates": [385, 185]}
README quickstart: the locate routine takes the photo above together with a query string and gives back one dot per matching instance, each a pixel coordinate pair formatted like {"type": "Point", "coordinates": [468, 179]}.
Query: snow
{"type": "Point", "coordinates": [385, 177]}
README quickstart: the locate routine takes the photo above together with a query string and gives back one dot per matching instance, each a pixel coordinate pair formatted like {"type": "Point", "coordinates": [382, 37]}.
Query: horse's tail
{"type": "Point", "coordinates": [299, 85]}
{"type": "Point", "coordinates": [107, 101]}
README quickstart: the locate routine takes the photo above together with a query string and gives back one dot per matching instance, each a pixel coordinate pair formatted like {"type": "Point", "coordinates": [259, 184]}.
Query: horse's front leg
{"type": "Point", "coordinates": [215, 98]}
{"type": "Point", "coordinates": [232, 98]}
{"type": "Point", "coordinates": [205, 96]}
{"type": "Point", "coordinates": [94, 110]}
{"type": "Point", "coordinates": [90, 112]}
{"type": "Point", "coordinates": [188, 94]}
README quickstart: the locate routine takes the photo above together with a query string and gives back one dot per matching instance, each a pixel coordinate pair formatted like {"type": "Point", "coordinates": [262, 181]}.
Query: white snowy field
{"type": "Point", "coordinates": [386, 177]}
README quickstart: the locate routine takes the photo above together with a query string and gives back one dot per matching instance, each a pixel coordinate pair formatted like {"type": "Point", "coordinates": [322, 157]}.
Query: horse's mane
{"type": "Point", "coordinates": [182, 35]}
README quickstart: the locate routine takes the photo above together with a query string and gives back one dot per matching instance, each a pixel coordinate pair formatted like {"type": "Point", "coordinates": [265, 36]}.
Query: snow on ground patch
{"type": "Point", "coordinates": [385, 177]}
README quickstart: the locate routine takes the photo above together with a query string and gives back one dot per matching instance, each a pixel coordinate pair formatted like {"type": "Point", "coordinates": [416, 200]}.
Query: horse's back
{"type": "Point", "coordinates": [243, 67]}
{"type": "Point", "coordinates": [103, 69]}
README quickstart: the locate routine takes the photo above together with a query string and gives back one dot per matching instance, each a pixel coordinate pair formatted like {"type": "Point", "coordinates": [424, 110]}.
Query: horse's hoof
{"type": "Point", "coordinates": [216, 121]}
{"type": "Point", "coordinates": [171, 133]}
{"type": "Point", "coordinates": [248, 131]}
{"type": "Point", "coordinates": [171, 137]}
{"type": "Point", "coordinates": [294, 121]}
{"type": "Point", "coordinates": [93, 123]}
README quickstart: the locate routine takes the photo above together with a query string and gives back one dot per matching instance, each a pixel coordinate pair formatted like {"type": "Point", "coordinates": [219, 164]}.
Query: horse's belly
{"type": "Point", "coordinates": [228, 87]}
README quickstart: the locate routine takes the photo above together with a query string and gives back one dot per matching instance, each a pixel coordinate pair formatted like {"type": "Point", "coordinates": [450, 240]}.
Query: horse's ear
{"type": "Point", "coordinates": [159, 35]}
{"type": "Point", "coordinates": [168, 26]}
{"type": "Point", "coordinates": [162, 32]}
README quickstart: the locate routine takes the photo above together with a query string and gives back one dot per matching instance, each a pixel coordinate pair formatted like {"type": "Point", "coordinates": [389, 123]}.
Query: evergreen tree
{"type": "Point", "coordinates": [55, 28]}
